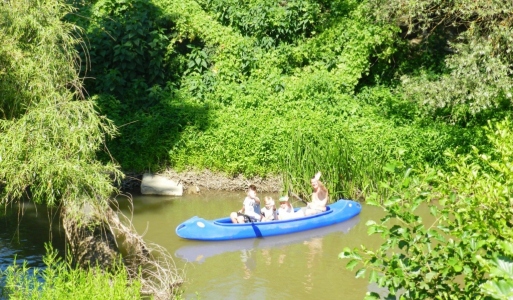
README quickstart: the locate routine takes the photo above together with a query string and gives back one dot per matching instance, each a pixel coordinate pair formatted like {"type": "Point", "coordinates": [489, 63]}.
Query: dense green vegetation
{"type": "Point", "coordinates": [225, 84]}
{"type": "Point", "coordinates": [389, 99]}
{"type": "Point", "coordinates": [59, 280]}
{"type": "Point", "coordinates": [465, 251]}
{"type": "Point", "coordinates": [234, 81]}
{"type": "Point", "coordinates": [50, 135]}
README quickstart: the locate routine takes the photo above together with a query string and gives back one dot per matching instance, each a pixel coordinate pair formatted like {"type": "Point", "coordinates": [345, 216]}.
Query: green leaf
{"type": "Point", "coordinates": [351, 264]}
{"type": "Point", "coordinates": [373, 276]}
{"type": "Point", "coordinates": [508, 247]}
{"type": "Point", "coordinates": [346, 253]}
{"type": "Point", "coordinates": [504, 267]}
{"type": "Point", "coordinates": [390, 167]}
{"type": "Point", "coordinates": [430, 276]}
{"type": "Point", "coordinates": [370, 222]}
{"type": "Point", "coordinates": [406, 182]}
{"type": "Point", "coordinates": [372, 201]}
{"type": "Point", "coordinates": [371, 296]}
{"type": "Point", "coordinates": [360, 273]}
{"type": "Point", "coordinates": [458, 267]}
{"type": "Point", "coordinates": [403, 244]}
{"type": "Point", "coordinates": [433, 210]}
{"type": "Point", "coordinates": [500, 289]}
{"type": "Point", "coordinates": [372, 229]}
{"type": "Point", "coordinates": [391, 201]}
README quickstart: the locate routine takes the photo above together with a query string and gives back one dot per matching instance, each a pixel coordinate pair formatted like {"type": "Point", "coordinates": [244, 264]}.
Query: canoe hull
{"type": "Point", "coordinates": [200, 251]}
{"type": "Point", "coordinates": [197, 228]}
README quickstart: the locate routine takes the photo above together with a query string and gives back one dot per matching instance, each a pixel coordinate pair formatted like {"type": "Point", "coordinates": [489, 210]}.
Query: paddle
{"type": "Point", "coordinates": [255, 228]}
{"type": "Point", "coordinates": [297, 197]}
{"type": "Point", "coordinates": [246, 217]}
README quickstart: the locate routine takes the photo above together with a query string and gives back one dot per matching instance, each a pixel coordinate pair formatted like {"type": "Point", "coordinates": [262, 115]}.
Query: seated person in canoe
{"type": "Point", "coordinates": [250, 207]}
{"type": "Point", "coordinates": [286, 211]}
{"type": "Point", "coordinates": [269, 210]}
{"type": "Point", "coordinates": [319, 198]}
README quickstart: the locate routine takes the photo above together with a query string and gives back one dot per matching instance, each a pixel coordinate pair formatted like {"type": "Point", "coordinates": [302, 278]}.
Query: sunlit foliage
{"type": "Point", "coordinates": [49, 134]}
{"type": "Point", "coordinates": [475, 39]}
{"type": "Point", "coordinates": [59, 280]}
{"type": "Point", "coordinates": [464, 250]}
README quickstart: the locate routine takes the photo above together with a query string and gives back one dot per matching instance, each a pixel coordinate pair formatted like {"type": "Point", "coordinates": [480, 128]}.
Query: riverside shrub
{"type": "Point", "coordinates": [59, 280]}
{"type": "Point", "coordinates": [464, 252]}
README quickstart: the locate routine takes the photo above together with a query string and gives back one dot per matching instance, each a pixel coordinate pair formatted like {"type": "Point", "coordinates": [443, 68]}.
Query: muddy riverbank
{"type": "Point", "coordinates": [197, 181]}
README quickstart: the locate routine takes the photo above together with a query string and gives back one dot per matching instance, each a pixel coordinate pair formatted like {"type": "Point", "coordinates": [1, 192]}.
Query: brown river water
{"type": "Point", "coordinates": [303, 265]}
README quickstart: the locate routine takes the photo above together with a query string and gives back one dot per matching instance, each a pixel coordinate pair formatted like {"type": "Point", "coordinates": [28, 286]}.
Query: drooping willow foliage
{"type": "Point", "coordinates": [49, 133]}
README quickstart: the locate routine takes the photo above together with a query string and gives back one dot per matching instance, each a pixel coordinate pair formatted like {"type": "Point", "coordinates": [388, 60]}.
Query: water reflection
{"type": "Point", "coordinates": [302, 265]}
{"type": "Point", "coordinates": [314, 249]}
{"type": "Point", "coordinates": [24, 229]}
{"type": "Point", "coordinates": [198, 251]}
{"type": "Point", "coordinates": [248, 262]}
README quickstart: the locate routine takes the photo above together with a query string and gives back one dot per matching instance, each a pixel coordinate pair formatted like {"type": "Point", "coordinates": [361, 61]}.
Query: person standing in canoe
{"type": "Point", "coordinates": [319, 197]}
{"type": "Point", "coordinates": [250, 207]}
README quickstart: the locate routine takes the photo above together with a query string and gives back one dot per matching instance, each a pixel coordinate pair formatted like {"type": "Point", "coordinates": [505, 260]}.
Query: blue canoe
{"type": "Point", "coordinates": [197, 228]}
{"type": "Point", "coordinates": [200, 251]}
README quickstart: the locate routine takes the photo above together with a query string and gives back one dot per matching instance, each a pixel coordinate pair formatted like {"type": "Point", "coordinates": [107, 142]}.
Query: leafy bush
{"type": "Point", "coordinates": [128, 45]}
{"type": "Point", "coordinates": [455, 256]}
{"type": "Point", "coordinates": [477, 81]}
{"type": "Point", "coordinates": [271, 22]}
{"type": "Point", "coordinates": [49, 134]}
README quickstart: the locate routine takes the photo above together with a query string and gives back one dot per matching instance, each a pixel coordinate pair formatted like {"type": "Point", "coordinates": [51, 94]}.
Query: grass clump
{"type": "Point", "coordinates": [60, 280]}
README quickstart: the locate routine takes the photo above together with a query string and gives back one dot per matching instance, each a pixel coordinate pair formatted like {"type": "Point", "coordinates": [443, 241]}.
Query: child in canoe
{"type": "Point", "coordinates": [250, 207]}
{"type": "Point", "coordinates": [269, 210]}
{"type": "Point", "coordinates": [286, 211]}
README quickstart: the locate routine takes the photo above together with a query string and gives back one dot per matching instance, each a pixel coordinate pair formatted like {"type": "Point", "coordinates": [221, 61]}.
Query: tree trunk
{"type": "Point", "coordinates": [89, 237]}
{"type": "Point", "coordinates": [93, 237]}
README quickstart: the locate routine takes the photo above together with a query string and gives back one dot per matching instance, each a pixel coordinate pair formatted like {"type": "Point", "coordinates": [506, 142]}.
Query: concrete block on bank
{"type": "Point", "coordinates": [160, 185]}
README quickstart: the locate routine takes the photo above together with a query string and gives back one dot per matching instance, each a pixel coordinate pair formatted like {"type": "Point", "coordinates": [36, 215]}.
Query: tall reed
{"type": "Point", "coordinates": [348, 170]}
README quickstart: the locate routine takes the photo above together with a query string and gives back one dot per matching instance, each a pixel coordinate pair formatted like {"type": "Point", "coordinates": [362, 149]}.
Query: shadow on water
{"type": "Point", "coordinates": [24, 230]}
